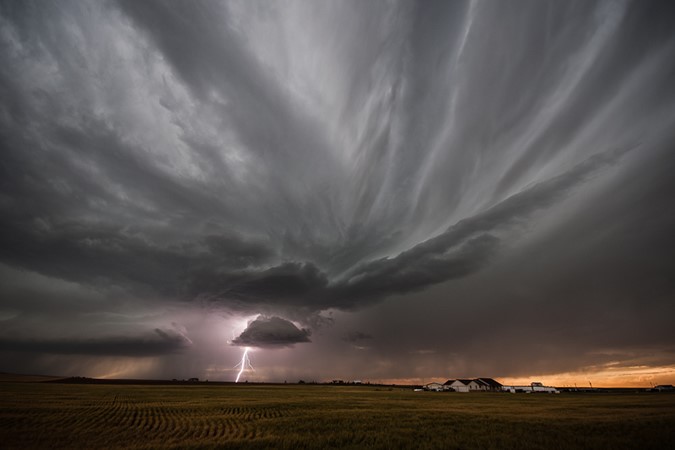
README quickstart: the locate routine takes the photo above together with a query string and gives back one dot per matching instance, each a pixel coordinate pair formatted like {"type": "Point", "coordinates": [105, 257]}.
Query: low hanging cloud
{"type": "Point", "coordinates": [160, 342]}
{"type": "Point", "coordinates": [271, 332]}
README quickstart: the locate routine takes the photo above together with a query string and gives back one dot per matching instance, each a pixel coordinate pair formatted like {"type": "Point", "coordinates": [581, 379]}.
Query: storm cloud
{"type": "Point", "coordinates": [163, 342]}
{"type": "Point", "coordinates": [271, 332]}
{"type": "Point", "coordinates": [341, 166]}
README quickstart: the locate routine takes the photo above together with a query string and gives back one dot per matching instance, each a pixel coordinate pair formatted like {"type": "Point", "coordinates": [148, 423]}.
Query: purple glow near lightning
{"type": "Point", "coordinates": [245, 362]}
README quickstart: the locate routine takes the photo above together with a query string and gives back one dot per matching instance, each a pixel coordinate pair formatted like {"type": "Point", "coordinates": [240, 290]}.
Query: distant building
{"type": "Point", "coordinates": [473, 385]}
{"type": "Point", "coordinates": [664, 388]}
{"type": "Point", "coordinates": [438, 387]}
{"type": "Point", "coordinates": [481, 385]}
{"type": "Point", "coordinates": [447, 386]}
{"type": "Point", "coordinates": [534, 387]}
{"type": "Point", "coordinates": [463, 385]}
{"type": "Point", "coordinates": [491, 384]}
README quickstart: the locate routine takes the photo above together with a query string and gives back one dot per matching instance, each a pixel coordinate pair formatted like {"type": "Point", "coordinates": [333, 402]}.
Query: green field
{"type": "Point", "coordinates": [45, 415]}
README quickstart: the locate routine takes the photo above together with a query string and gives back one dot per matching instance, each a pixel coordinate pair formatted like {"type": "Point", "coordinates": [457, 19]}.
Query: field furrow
{"type": "Point", "coordinates": [138, 417]}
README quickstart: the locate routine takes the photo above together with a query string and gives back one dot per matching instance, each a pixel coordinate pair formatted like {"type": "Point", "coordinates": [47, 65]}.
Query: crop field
{"type": "Point", "coordinates": [45, 415]}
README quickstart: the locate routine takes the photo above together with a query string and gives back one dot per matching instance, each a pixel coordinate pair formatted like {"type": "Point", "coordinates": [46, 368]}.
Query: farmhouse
{"type": "Point", "coordinates": [463, 385]}
{"type": "Point", "coordinates": [473, 385]}
{"type": "Point", "coordinates": [447, 386]}
{"type": "Point", "coordinates": [482, 385]}
{"type": "Point", "coordinates": [491, 384]}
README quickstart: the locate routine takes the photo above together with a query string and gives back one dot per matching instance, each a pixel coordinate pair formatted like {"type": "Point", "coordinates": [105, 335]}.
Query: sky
{"type": "Point", "coordinates": [397, 191]}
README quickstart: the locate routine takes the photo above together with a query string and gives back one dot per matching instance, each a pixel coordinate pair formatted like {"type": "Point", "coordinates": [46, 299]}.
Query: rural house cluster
{"type": "Point", "coordinates": [486, 385]}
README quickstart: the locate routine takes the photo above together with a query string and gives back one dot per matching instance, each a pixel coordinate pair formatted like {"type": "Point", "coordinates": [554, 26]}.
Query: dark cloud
{"type": "Point", "coordinates": [271, 332]}
{"type": "Point", "coordinates": [93, 218]}
{"type": "Point", "coordinates": [288, 283]}
{"type": "Point", "coordinates": [309, 160]}
{"type": "Point", "coordinates": [163, 342]}
{"type": "Point", "coordinates": [466, 246]}
{"type": "Point", "coordinates": [461, 250]}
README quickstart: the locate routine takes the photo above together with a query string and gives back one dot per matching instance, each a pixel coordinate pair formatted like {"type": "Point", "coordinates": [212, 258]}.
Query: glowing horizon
{"type": "Point", "coordinates": [642, 377]}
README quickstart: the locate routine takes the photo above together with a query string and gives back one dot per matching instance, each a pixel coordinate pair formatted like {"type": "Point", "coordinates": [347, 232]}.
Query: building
{"type": "Point", "coordinates": [664, 388]}
{"type": "Point", "coordinates": [491, 384]}
{"type": "Point", "coordinates": [481, 385]}
{"type": "Point", "coordinates": [438, 387]}
{"type": "Point", "coordinates": [464, 385]}
{"type": "Point", "coordinates": [447, 386]}
{"type": "Point", "coordinates": [534, 387]}
{"type": "Point", "coordinates": [473, 385]}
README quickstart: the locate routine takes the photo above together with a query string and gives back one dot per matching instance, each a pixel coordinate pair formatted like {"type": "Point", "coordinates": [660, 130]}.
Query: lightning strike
{"type": "Point", "coordinates": [243, 364]}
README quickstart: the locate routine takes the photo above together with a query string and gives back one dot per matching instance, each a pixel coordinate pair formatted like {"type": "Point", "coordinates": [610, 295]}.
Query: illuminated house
{"type": "Point", "coordinates": [463, 385]}
{"type": "Point", "coordinates": [473, 385]}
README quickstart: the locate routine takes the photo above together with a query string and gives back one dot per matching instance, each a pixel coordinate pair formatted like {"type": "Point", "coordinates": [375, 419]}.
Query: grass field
{"type": "Point", "coordinates": [45, 415]}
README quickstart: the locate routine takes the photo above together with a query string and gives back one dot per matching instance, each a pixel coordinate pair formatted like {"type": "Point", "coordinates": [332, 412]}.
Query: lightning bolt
{"type": "Point", "coordinates": [243, 364]}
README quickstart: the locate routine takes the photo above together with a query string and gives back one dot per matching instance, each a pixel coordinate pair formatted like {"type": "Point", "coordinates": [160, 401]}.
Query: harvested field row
{"type": "Point", "coordinates": [85, 416]}
{"type": "Point", "coordinates": [129, 416]}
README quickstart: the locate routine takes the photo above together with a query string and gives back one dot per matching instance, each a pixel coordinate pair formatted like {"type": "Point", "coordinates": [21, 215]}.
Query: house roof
{"type": "Point", "coordinates": [490, 382]}
{"type": "Point", "coordinates": [480, 381]}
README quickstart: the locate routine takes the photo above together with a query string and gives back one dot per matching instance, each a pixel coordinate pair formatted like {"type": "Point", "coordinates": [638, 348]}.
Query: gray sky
{"type": "Point", "coordinates": [371, 190]}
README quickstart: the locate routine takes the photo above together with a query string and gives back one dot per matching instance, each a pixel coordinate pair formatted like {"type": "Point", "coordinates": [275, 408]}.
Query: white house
{"type": "Point", "coordinates": [492, 384]}
{"type": "Point", "coordinates": [481, 385]}
{"type": "Point", "coordinates": [474, 385]}
{"type": "Point", "coordinates": [447, 386]}
{"type": "Point", "coordinates": [534, 387]}
{"type": "Point", "coordinates": [464, 385]}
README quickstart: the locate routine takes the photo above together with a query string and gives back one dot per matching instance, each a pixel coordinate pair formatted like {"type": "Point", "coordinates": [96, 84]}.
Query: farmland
{"type": "Point", "coordinates": [41, 415]}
